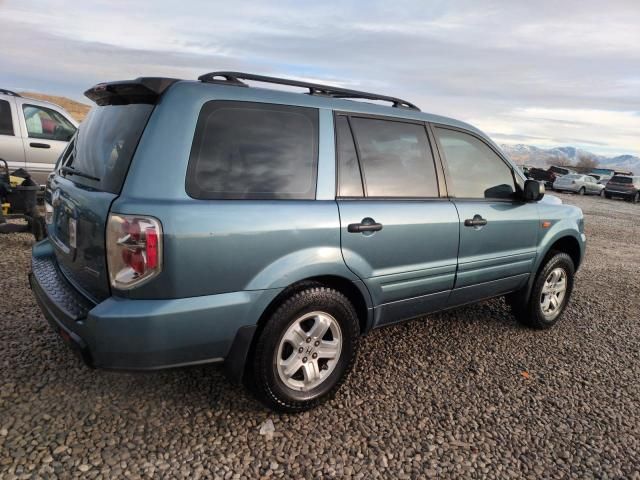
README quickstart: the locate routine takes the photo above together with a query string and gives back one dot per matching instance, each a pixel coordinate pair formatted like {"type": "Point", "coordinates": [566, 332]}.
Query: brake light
{"type": "Point", "coordinates": [134, 249]}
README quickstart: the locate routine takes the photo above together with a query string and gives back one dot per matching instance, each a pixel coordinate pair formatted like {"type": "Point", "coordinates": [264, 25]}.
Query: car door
{"type": "Point", "coordinates": [47, 133]}
{"type": "Point", "coordinates": [398, 233]}
{"type": "Point", "coordinates": [498, 231]}
{"type": "Point", "coordinates": [11, 148]}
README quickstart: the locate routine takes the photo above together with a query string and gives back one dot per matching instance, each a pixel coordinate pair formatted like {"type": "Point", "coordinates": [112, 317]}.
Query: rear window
{"type": "Point", "coordinates": [561, 171]}
{"type": "Point", "coordinates": [572, 176]}
{"type": "Point", "coordinates": [102, 149]}
{"type": "Point", "coordinates": [246, 150]}
{"type": "Point", "coordinates": [618, 179]}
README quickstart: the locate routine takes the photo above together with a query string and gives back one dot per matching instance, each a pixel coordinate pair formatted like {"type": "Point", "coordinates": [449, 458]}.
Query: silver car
{"type": "Point", "coordinates": [581, 184]}
{"type": "Point", "coordinates": [33, 133]}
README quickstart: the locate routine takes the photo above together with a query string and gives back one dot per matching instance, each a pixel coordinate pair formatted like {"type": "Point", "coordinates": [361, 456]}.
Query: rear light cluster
{"type": "Point", "coordinates": [134, 249]}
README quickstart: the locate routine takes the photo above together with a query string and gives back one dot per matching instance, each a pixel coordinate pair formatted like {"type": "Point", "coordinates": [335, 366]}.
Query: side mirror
{"type": "Point", "coordinates": [533, 191]}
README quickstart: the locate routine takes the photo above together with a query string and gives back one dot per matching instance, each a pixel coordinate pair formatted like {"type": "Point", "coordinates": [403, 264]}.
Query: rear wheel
{"type": "Point", "coordinates": [549, 295]}
{"type": "Point", "coordinates": [305, 351]}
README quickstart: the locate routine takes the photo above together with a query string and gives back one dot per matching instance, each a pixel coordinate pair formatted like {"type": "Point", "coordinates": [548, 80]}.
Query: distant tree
{"type": "Point", "coordinates": [558, 160]}
{"type": "Point", "coordinates": [586, 161]}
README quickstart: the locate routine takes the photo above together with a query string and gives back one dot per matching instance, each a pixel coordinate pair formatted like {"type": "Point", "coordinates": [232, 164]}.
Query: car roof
{"type": "Point", "coordinates": [287, 97]}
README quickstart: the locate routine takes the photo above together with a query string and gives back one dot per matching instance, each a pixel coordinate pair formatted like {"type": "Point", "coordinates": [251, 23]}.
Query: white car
{"type": "Point", "coordinates": [580, 184]}
{"type": "Point", "coordinates": [33, 133]}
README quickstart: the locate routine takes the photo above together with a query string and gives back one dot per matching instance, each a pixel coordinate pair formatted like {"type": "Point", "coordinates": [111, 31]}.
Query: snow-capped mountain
{"type": "Point", "coordinates": [530, 155]}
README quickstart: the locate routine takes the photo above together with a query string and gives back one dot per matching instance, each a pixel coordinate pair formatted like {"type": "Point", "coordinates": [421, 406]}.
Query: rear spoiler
{"type": "Point", "coordinates": [141, 90]}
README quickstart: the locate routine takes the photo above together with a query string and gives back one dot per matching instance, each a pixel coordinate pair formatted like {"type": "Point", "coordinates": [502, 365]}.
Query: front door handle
{"type": "Point", "coordinates": [39, 145]}
{"type": "Point", "coordinates": [476, 221]}
{"type": "Point", "coordinates": [367, 225]}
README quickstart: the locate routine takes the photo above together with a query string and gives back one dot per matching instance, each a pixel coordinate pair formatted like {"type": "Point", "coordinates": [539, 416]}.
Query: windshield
{"type": "Point", "coordinates": [101, 151]}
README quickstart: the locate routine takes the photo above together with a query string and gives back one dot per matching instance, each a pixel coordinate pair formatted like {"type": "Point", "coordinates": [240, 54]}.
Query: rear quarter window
{"type": "Point", "coordinates": [246, 150]}
{"type": "Point", "coordinates": [6, 123]}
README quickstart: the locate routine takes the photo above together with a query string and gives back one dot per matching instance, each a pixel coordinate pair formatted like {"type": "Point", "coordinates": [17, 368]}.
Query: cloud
{"type": "Point", "coordinates": [499, 64]}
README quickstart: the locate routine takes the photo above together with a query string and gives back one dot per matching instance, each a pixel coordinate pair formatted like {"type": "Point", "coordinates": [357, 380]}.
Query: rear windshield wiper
{"type": "Point", "coordinates": [73, 171]}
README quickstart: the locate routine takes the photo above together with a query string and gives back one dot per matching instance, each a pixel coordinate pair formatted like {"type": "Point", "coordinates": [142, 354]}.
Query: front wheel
{"type": "Point", "coordinates": [305, 350]}
{"type": "Point", "coordinates": [581, 191]}
{"type": "Point", "coordinates": [636, 198]}
{"type": "Point", "coordinates": [602, 194]}
{"type": "Point", "coordinates": [549, 295]}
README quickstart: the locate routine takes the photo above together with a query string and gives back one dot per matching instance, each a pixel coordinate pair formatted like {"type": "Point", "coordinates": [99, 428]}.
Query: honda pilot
{"type": "Point", "coordinates": [193, 222]}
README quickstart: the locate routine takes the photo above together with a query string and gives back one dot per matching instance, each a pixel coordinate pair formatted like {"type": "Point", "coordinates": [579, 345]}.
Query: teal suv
{"type": "Point", "coordinates": [213, 221]}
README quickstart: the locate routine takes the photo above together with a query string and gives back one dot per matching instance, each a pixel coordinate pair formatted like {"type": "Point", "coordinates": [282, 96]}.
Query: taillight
{"type": "Point", "coordinates": [134, 249]}
{"type": "Point", "coordinates": [48, 213]}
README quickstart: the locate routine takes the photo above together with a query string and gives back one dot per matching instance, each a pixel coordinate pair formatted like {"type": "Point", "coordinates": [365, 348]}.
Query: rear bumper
{"type": "Point", "coordinates": [129, 334]}
{"type": "Point", "coordinates": [619, 193]}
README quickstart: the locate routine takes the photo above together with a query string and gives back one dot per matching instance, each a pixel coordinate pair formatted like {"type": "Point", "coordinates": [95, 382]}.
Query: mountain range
{"type": "Point", "coordinates": [537, 157]}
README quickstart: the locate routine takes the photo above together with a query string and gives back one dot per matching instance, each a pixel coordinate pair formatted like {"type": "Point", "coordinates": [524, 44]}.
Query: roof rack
{"type": "Point", "coordinates": [9, 92]}
{"type": "Point", "coordinates": [235, 79]}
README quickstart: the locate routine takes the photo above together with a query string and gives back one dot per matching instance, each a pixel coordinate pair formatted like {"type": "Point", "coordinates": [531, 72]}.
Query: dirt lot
{"type": "Point", "coordinates": [465, 393]}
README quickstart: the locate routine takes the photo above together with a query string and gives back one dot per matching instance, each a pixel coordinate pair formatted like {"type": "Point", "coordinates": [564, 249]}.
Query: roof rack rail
{"type": "Point", "coordinates": [235, 78]}
{"type": "Point", "coordinates": [9, 92]}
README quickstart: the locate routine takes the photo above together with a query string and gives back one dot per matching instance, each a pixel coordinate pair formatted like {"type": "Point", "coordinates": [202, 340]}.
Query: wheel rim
{"type": "Point", "coordinates": [309, 351]}
{"type": "Point", "coordinates": [581, 192]}
{"type": "Point", "coordinates": [553, 293]}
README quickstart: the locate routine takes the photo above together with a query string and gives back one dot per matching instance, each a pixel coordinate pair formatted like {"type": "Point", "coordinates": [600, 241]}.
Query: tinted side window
{"type": "Point", "coordinates": [6, 124]}
{"type": "Point", "coordinates": [474, 169]}
{"type": "Point", "coordinates": [244, 150]}
{"type": "Point", "coordinates": [47, 124]}
{"type": "Point", "coordinates": [349, 181]}
{"type": "Point", "coordinates": [396, 158]}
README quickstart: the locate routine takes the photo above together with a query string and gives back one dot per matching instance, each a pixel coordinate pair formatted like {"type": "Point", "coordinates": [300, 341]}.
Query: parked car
{"type": "Point", "coordinates": [559, 171]}
{"type": "Point", "coordinates": [206, 221]}
{"type": "Point", "coordinates": [624, 187]}
{"type": "Point", "coordinates": [580, 184]}
{"type": "Point", "coordinates": [33, 133]}
{"type": "Point", "coordinates": [543, 176]}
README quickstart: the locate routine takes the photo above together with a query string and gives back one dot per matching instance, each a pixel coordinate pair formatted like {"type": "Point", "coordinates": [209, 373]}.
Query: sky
{"type": "Point", "coordinates": [544, 73]}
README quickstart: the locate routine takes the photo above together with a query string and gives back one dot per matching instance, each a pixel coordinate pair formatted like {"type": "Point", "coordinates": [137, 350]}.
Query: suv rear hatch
{"type": "Point", "coordinates": [88, 177]}
{"type": "Point", "coordinates": [621, 184]}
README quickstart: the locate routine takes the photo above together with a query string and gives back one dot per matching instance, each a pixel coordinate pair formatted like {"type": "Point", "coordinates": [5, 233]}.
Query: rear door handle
{"type": "Point", "coordinates": [364, 226]}
{"type": "Point", "coordinates": [476, 221]}
{"type": "Point", "coordinates": [39, 145]}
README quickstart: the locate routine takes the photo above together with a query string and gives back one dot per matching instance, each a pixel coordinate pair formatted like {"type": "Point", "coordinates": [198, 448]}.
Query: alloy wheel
{"type": "Point", "coordinates": [309, 351]}
{"type": "Point", "coordinates": [553, 293]}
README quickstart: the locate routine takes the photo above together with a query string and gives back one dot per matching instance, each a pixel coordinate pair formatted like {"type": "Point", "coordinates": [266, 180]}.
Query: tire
{"type": "Point", "coordinates": [284, 337]}
{"type": "Point", "coordinates": [529, 311]}
{"type": "Point", "coordinates": [581, 191]}
{"type": "Point", "coordinates": [635, 198]}
{"type": "Point", "coordinates": [602, 194]}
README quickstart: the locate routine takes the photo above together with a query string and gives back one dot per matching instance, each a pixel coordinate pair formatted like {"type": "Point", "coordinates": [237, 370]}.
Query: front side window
{"type": "Point", "coordinates": [47, 124]}
{"type": "Point", "coordinates": [396, 158]}
{"type": "Point", "coordinates": [244, 150]}
{"type": "Point", "coordinates": [475, 170]}
{"type": "Point", "coordinates": [6, 124]}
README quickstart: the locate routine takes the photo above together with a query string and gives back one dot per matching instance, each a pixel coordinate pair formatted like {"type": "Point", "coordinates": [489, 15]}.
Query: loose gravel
{"type": "Point", "coordinates": [464, 393]}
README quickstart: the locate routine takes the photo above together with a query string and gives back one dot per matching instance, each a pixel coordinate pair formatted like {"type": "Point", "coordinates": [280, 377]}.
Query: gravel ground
{"type": "Point", "coordinates": [464, 393]}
